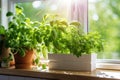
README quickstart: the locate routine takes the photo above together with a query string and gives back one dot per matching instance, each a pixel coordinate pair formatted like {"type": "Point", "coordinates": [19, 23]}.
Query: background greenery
{"type": "Point", "coordinates": [104, 17]}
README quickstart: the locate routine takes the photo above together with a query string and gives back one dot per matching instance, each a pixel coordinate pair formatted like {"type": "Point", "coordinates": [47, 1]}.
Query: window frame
{"type": "Point", "coordinates": [4, 9]}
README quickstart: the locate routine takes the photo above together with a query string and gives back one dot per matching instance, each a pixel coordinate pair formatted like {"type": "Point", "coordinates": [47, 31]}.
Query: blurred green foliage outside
{"type": "Point", "coordinates": [104, 16]}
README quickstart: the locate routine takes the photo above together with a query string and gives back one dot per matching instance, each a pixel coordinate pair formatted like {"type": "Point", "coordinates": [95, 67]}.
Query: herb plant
{"type": "Point", "coordinates": [22, 33]}
{"type": "Point", "coordinates": [61, 37]}
{"type": "Point", "coordinates": [2, 30]}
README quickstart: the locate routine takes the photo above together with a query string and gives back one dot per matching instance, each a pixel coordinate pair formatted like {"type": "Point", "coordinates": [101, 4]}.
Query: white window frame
{"type": "Point", "coordinates": [8, 5]}
{"type": "Point", "coordinates": [4, 9]}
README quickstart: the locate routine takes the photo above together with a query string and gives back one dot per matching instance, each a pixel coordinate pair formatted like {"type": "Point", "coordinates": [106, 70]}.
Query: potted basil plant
{"type": "Point", "coordinates": [22, 37]}
{"type": "Point", "coordinates": [71, 48]}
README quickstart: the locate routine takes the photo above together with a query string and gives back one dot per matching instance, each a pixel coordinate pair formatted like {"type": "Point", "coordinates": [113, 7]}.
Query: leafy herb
{"type": "Point", "coordinates": [62, 37]}
{"type": "Point", "coordinates": [22, 33]}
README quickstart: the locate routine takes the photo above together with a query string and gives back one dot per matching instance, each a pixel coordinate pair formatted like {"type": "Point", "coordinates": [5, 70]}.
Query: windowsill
{"type": "Point", "coordinates": [63, 75]}
{"type": "Point", "coordinates": [108, 66]}
{"type": "Point", "coordinates": [113, 64]}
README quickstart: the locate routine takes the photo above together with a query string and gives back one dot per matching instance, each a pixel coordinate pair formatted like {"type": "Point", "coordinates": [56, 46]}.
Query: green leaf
{"type": "Point", "coordinates": [37, 60]}
{"type": "Point", "coordinates": [75, 23]}
{"type": "Point", "coordinates": [2, 29]}
{"type": "Point", "coordinates": [19, 7]}
{"type": "Point", "coordinates": [9, 14]}
{"type": "Point", "coordinates": [19, 10]}
{"type": "Point", "coordinates": [44, 52]}
{"type": "Point", "coordinates": [22, 52]}
{"type": "Point", "coordinates": [44, 66]}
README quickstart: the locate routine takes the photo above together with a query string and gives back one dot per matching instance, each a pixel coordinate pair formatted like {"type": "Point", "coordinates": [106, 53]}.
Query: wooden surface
{"type": "Point", "coordinates": [63, 75]}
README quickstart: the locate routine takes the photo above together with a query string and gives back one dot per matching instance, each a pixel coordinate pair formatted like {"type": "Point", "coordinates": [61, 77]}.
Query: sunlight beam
{"type": "Point", "coordinates": [36, 4]}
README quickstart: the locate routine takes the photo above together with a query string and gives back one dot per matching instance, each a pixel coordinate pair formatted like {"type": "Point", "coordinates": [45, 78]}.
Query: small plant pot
{"type": "Point", "coordinates": [25, 62]}
{"type": "Point", "coordinates": [69, 62]}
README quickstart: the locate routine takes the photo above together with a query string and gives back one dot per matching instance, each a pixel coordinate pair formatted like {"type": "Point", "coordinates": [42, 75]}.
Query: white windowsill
{"type": "Point", "coordinates": [108, 64]}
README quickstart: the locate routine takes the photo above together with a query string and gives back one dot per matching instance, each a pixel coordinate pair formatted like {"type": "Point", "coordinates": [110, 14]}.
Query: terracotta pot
{"type": "Point", "coordinates": [4, 52]}
{"type": "Point", "coordinates": [24, 62]}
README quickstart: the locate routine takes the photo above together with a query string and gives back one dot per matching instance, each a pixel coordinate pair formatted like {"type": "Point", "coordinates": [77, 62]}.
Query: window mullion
{"type": "Point", "coordinates": [4, 10]}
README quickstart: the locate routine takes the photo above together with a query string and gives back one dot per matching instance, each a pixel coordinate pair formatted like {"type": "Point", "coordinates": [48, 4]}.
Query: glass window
{"type": "Point", "coordinates": [37, 9]}
{"type": "Point", "coordinates": [69, 9]}
{"type": "Point", "coordinates": [104, 17]}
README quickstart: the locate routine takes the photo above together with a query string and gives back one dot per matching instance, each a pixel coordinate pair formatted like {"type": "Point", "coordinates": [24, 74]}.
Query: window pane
{"type": "Point", "coordinates": [69, 9]}
{"type": "Point", "coordinates": [37, 9]}
{"type": "Point", "coordinates": [104, 16]}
